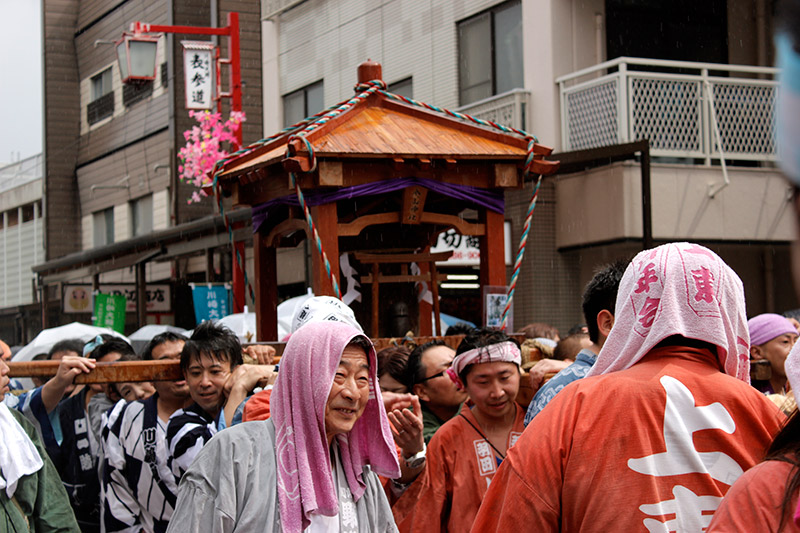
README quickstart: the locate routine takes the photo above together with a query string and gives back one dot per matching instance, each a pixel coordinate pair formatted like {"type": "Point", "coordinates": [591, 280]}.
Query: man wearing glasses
{"type": "Point", "coordinates": [439, 398]}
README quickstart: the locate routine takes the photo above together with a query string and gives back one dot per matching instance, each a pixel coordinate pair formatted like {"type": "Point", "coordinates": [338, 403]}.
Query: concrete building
{"type": "Point", "coordinates": [586, 77]}
{"type": "Point", "coordinates": [115, 210]}
{"type": "Point", "coordinates": [21, 246]}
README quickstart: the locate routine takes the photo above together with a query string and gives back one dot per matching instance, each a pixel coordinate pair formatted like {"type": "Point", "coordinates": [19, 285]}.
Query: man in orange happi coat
{"type": "Point", "coordinates": [666, 424]}
{"type": "Point", "coordinates": [465, 452]}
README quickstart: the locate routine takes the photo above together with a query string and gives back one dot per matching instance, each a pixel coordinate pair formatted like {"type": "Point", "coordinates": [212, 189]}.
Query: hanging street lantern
{"type": "Point", "coordinates": [136, 55]}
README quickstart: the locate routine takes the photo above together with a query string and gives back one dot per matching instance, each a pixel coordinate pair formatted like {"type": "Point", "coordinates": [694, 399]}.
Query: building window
{"type": "Point", "coordinates": [303, 103]}
{"type": "Point", "coordinates": [142, 216]}
{"type": "Point", "coordinates": [490, 53]}
{"type": "Point", "coordinates": [102, 104]}
{"type": "Point", "coordinates": [403, 87]}
{"type": "Point", "coordinates": [164, 75]}
{"type": "Point", "coordinates": [136, 92]}
{"type": "Point", "coordinates": [104, 227]}
{"type": "Point", "coordinates": [27, 213]}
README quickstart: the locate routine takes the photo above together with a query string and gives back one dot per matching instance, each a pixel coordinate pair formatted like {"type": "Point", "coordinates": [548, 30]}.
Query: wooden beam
{"type": "Point", "coordinates": [425, 309]}
{"type": "Point", "coordinates": [352, 229]}
{"type": "Point", "coordinates": [506, 175]}
{"type": "Point", "coordinates": [375, 298]}
{"type": "Point", "coordinates": [330, 173]}
{"type": "Point", "coordinates": [287, 227]}
{"type": "Point", "coordinates": [266, 274]}
{"type": "Point", "coordinates": [493, 264]}
{"type": "Point", "coordinates": [326, 222]}
{"type": "Point", "coordinates": [116, 372]}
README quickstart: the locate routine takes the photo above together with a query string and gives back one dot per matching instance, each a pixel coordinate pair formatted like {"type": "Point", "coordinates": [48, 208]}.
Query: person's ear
{"type": "Point", "coordinates": [605, 321]}
{"type": "Point", "coordinates": [756, 354]}
{"type": "Point", "coordinates": [419, 390]}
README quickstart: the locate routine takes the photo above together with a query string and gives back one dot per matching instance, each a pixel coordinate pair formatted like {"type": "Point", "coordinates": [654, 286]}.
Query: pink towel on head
{"type": "Point", "coordinates": [678, 289]}
{"type": "Point", "coordinates": [305, 482]}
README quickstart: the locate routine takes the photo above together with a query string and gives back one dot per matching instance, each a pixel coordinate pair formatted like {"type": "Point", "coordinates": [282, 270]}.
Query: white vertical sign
{"type": "Point", "coordinates": [198, 60]}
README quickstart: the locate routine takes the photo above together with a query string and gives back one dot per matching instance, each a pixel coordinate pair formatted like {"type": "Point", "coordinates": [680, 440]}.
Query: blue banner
{"type": "Point", "coordinates": [210, 302]}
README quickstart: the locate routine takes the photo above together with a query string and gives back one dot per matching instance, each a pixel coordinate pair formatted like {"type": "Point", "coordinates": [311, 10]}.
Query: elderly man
{"type": "Point", "coordinates": [663, 424]}
{"type": "Point", "coordinates": [313, 464]}
{"type": "Point", "coordinates": [439, 397]}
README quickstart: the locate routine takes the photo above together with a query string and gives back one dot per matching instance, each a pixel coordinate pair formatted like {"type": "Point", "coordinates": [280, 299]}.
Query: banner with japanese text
{"type": "Point", "coordinates": [109, 311]}
{"type": "Point", "coordinates": [211, 302]}
{"type": "Point", "coordinates": [198, 62]}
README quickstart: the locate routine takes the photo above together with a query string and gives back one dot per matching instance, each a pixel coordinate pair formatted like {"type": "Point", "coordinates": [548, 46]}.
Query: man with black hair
{"type": "Point", "coordinates": [439, 398]}
{"type": "Point", "coordinates": [599, 299]}
{"type": "Point", "coordinates": [465, 453]}
{"type": "Point", "coordinates": [139, 489]}
{"type": "Point", "coordinates": [61, 349]}
{"type": "Point", "coordinates": [218, 382]}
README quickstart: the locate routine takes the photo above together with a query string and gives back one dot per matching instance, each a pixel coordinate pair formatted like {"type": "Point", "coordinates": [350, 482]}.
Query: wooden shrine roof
{"type": "Point", "coordinates": [380, 128]}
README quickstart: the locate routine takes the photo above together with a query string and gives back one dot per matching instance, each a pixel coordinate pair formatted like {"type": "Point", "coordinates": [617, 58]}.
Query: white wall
{"type": "Point", "coordinates": [604, 204]}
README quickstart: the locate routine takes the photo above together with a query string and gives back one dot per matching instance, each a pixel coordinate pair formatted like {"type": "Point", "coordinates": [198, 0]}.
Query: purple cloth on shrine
{"type": "Point", "coordinates": [490, 199]}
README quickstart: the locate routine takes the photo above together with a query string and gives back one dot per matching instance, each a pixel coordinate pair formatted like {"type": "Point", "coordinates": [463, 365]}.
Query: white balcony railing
{"type": "Point", "coordinates": [509, 109]}
{"type": "Point", "coordinates": [689, 114]}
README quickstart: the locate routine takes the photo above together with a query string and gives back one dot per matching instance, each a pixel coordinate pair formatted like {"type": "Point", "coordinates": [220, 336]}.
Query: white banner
{"type": "Point", "coordinates": [466, 251]}
{"type": "Point", "coordinates": [198, 62]}
{"type": "Point", "coordinates": [78, 298]}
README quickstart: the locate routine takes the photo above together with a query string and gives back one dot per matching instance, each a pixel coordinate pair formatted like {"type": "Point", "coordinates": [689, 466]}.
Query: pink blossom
{"type": "Point", "coordinates": [204, 148]}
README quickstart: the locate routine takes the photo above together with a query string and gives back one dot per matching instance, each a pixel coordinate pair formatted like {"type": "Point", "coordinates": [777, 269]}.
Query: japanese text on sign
{"type": "Point", "coordinates": [197, 64]}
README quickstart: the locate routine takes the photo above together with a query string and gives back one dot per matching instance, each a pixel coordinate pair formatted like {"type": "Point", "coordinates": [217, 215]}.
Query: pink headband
{"type": "Point", "coordinates": [503, 352]}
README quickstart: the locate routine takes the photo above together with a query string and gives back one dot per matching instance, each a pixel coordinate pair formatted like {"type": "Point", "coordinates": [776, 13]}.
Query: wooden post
{"type": "Point", "coordinates": [425, 309]}
{"type": "Point", "coordinates": [492, 244]}
{"type": "Point", "coordinates": [376, 273]}
{"type": "Point", "coordinates": [141, 295]}
{"type": "Point", "coordinates": [266, 274]}
{"type": "Point", "coordinates": [43, 299]}
{"type": "Point", "coordinates": [327, 222]}
{"type": "Point", "coordinates": [437, 322]}
{"type": "Point", "coordinates": [210, 265]}
{"type": "Point", "coordinates": [238, 273]}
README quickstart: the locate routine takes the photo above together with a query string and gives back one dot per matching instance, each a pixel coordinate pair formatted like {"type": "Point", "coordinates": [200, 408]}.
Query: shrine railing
{"type": "Point", "coordinates": [685, 109]}
{"type": "Point", "coordinates": [509, 108]}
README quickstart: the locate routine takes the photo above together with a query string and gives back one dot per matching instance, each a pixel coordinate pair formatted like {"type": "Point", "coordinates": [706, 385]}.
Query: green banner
{"type": "Point", "coordinates": [109, 311]}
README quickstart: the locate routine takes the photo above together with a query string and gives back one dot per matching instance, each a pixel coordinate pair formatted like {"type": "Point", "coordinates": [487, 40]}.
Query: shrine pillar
{"type": "Point", "coordinates": [326, 222]}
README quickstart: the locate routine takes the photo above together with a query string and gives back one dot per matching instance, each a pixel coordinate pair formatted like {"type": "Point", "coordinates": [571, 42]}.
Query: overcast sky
{"type": "Point", "coordinates": [21, 75]}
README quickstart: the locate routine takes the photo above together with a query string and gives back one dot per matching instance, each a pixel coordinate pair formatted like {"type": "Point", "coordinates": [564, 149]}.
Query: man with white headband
{"type": "Point", "coordinates": [663, 424]}
{"type": "Point", "coordinates": [466, 451]}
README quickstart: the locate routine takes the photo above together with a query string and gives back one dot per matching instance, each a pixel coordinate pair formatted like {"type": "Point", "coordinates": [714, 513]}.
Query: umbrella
{"type": "Point", "coordinates": [242, 324]}
{"type": "Point", "coordinates": [48, 337]}
{"type": "Point", "coordinates": [449, 320]}
{"type": "Point", "coordinates": [286, 311]}
{"type": "Point", "coordinates": [142, 336]}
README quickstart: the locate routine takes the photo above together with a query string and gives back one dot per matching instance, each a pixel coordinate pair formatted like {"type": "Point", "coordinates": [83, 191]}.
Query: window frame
{"type": "Point", "coordinates": [304, 90]}
{"type": "Point", "coordinates": [102, 106]}
{"type": "Point", "coordinates": [491, 13]}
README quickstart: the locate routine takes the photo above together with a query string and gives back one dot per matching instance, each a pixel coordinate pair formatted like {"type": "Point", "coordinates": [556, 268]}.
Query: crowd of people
{"type": "Point", "coordinates": [642, 419]}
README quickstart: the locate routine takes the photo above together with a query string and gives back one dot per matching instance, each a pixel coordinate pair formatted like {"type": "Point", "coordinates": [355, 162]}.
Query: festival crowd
{"type": "Point", "coordinates": [642, 419]}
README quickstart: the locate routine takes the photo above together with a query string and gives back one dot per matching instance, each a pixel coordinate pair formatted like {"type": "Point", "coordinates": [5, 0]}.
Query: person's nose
{"type": "Point", "coordinates": [205, 380]}
{"type": "Point", "coordinates": [496, 390]}
{"type": "Point", "coordinates": [350, 389]}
